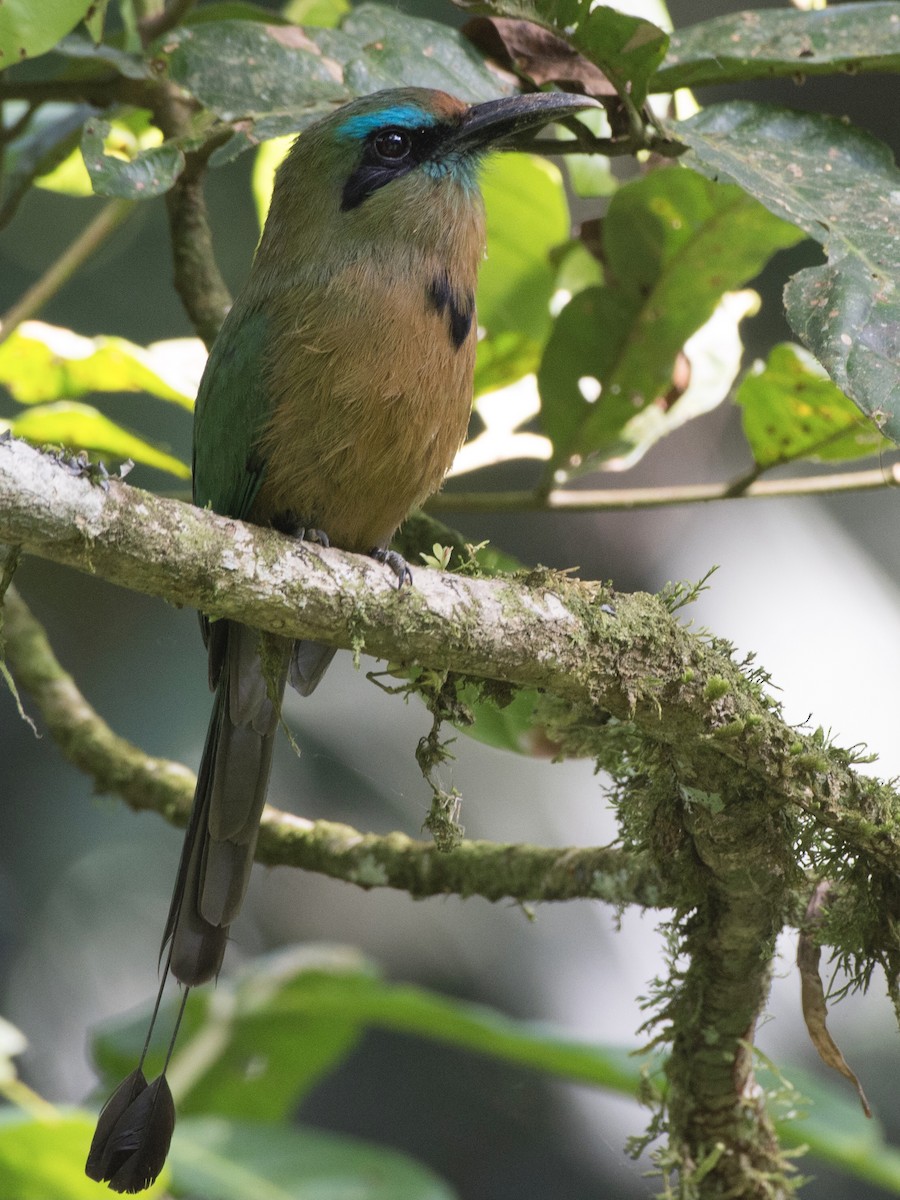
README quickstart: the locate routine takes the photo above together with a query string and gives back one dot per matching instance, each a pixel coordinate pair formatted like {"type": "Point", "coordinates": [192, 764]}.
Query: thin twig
{"type": "Point", "coordinates": [173, 14]}
{"type": "Point", "coordinates": [612, 499]}
{"type": "Point", "coordinates": [611, 147]}
{"type": "Point", "coordinates": [106, 222]}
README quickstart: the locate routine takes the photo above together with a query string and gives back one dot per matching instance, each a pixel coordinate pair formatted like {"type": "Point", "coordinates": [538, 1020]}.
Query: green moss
{"type": "Point", "coordinates": [733, 729]}
{"type": "Point", "coordinates": [716, 687]}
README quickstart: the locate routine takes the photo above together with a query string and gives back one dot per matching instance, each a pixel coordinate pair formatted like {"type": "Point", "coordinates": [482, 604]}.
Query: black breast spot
{"type": "Point", "coordinates": [460, 310]}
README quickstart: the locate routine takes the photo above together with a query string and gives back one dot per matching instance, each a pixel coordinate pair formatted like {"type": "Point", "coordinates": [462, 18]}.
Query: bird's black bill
{"type": "Point", "coordinates": [502, 120]}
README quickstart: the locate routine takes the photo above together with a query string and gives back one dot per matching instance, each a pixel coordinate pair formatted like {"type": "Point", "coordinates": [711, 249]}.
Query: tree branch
{"type": "Point", "coordinates": [719, 799]}
{"type": "Point", "coordinates": [742, 864]}
{"type": "Point", "coordinates": [495, 872]}
{"type": "Point", "coordinates": [196, 275]}
{"type": "Point", "coordinates": [601, 653]}
{"type": "Point", "coordinates": [152, 27]}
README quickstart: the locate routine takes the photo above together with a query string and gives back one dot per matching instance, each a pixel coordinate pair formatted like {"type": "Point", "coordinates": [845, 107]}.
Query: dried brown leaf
{"type": "Point", "coordinates": [815, 1010]}
{"type": "Point", "coordinates": [537, 54]}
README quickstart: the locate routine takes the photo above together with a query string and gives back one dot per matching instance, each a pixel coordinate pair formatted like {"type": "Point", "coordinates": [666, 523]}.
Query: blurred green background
{"type": "Point", "coordinates": [84, 884]}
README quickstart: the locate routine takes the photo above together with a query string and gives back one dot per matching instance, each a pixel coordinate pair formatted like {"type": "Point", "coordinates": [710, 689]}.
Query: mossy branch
{"type": "Point", "coordinates": [603, 653]}
{"type": "Point", "coordinates": [495, 872]}
{"type": "Point", "coordinates": [721, 802]}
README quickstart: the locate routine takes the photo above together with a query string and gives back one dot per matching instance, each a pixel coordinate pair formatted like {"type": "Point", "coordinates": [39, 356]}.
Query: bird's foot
{"type": "Point", "coordinates": [289, 523]}
{"type": "Point", "coordinates": [396, 562]}
{"type": "Point", "coordinates": [317, 536]}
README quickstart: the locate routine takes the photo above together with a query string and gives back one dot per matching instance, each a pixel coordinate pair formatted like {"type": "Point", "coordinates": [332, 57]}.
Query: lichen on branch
{"type": "Point", "coordinates": [725, 810]}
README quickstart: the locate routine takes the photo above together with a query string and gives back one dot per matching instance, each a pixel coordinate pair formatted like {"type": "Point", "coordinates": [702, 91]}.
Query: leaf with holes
{"type": "Point", "coordinates": [783, 42]}
{"type": "Point", "coordinates": [282, 77]}
{"type": "Point", "coordinates": [148, 174]}
{"type": "Point", "coordinates": [672, 245]}
{"type": "Point", "coordinates": [791, 410]}
{"type": "Point", "coordinates": [842, 187]}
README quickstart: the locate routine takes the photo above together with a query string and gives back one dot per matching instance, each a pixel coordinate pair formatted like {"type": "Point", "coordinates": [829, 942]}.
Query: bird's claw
{"type": "Point", "coordinates": [395, 562]}
{"type": "Point", "coordinates": [289, 523]}
{"type": "Point", "coordinates": [318, 537]}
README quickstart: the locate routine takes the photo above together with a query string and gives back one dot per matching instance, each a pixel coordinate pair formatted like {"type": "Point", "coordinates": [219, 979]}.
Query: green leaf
{"type": "Point", "coordinates": [80, 427]}
{"type": "Point", "coordinates": [149, 173]}
{"type": "Point", "coordinates": [712, 359]}
{"type": "Point", "coordinates": [783, 42]}
{"type": "Point", "coordinates": [381, 47]}
{"type": "Point", "coordinates": [627, 49]}
{"type": "Point", "coordinates": [97, 59]}
{"type": "Point", "coordinates": [591, 175]}
{"type": "Point", "coordinates": [316, 12]}
{"type": "Point", "coordinates": [283, 77]}
{"type": "Point", "coordinates": [527, 219]}
{"type": "Point", "coordinates": [510, 727]}
{"type": "Point", "coordinates": [529, 258]}
{"type": "Point", "coordinates": [244, 1160]}
{"type": "Point", "coordinates": [792, 410]}
{"type": "Point", "coordinates": [503, 359]}
{"type": "Point", "coordinates": [237, 10]}
{"type": "Point", "coordinates": [28, 28]}
{"type": "Point", "coordinates": [258, 1043]}
{"type": "Point", "coordinates": [830, 1123]}
{"type": "Point", "coordinates": [43, 1158]}
{"type": "Point", "coordinates": [843, 188]}
{"type": "Point", "coordinates": [264, 1038]}
{"type": "Point", "coordinates": [40, 362]}
{"type": "Point", "coordinates": [52, 133]}
{"type": "Point", "coordinates": [241, 69]}
{"type": "Point", "coordinates": [96, 19]}
{"type": "Point", "coordinates": [672, 244]}
{"type": "Point", "coordinates": [266, 162]}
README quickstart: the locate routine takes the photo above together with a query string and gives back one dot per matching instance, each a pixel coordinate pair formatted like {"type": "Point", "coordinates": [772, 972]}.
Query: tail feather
{"type": "Point", "coordinates": [239, 779]}
{"type": "Point", "coordinates": [309, 662]}
{"type": "Point", "coordinates": [231, 791]}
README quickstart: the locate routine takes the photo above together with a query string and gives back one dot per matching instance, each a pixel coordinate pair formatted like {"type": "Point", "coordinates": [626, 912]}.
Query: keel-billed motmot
{"type": "Point", "coordinates": [334, 399]}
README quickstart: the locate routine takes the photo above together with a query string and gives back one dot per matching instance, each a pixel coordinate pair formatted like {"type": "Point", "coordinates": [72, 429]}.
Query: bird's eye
{"type": "Point", "coordinates": [392, 144]}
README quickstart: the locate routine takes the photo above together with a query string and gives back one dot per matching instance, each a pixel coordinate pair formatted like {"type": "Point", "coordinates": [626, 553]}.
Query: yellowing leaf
{"type": "Point", "coordinates": [40, 363]}
{"type": "Point", "coordinates": [81, 427]}
{"type": "Point", "coordinates": [40, 1158]}
{"type": "Point", "coordinates": [791, 410]}
{"type": "Point", "coordinates": [69, 177]}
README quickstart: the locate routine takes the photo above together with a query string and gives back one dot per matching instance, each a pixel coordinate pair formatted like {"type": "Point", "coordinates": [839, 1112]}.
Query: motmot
{"type": "Point", "coordinates": [334, 400]}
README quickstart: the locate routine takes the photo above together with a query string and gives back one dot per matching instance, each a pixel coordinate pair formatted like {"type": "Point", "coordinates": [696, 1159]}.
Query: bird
{"type": "Point", "coordinates": [334, 400]}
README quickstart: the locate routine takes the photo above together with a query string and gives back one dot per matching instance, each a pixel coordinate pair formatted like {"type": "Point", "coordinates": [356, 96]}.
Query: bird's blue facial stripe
{"type": "Point", "coordinates": [463, 168]}
{"type": "Point", "coordinates": [403, 116]}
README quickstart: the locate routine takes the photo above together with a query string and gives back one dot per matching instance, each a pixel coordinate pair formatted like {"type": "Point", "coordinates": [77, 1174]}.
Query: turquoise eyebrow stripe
{"type": "Point", "coordinates": [405, 115]}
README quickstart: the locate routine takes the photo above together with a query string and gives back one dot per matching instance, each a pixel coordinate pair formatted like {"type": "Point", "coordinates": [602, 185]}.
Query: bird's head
{"type": "Point", "coordinates": [399, 164]}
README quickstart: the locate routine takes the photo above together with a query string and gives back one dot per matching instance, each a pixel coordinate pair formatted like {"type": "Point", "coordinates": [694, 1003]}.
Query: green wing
{"type": "Point", "coordinates": [231, 410]}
